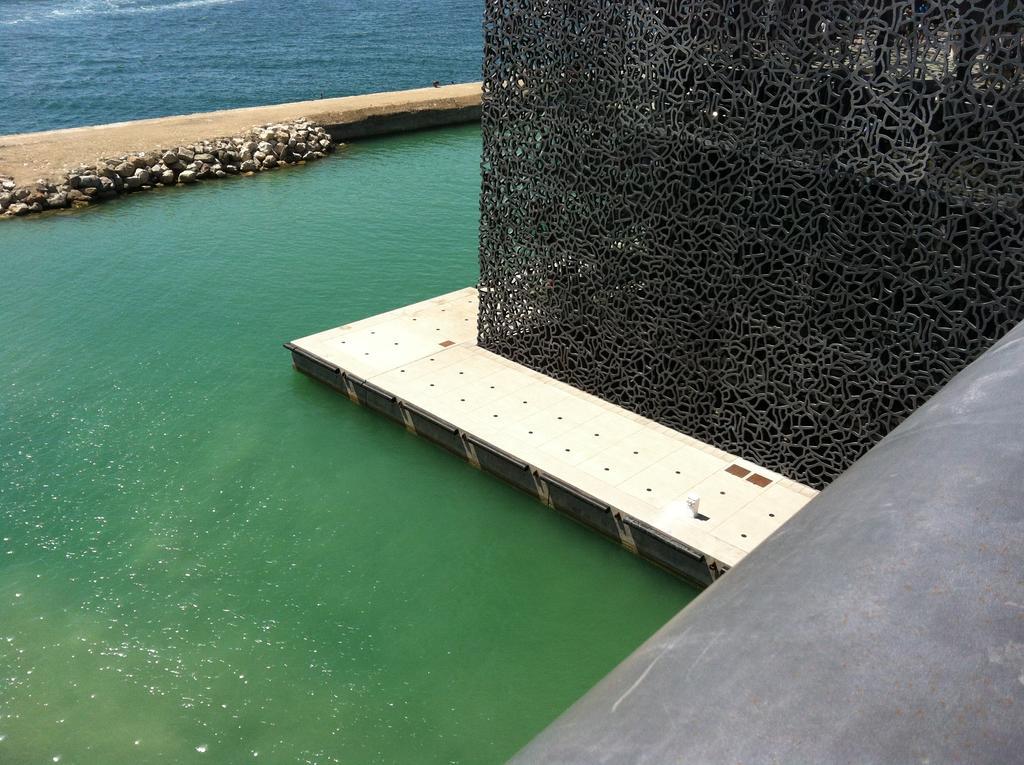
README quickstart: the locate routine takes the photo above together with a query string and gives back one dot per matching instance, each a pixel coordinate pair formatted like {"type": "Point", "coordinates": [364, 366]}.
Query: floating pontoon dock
{"type": "Point", "coordinates": [625, 476]}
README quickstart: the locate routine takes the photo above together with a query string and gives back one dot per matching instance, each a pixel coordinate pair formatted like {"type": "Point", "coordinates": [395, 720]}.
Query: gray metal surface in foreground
{"type": "Point", "coordinates": [882, 624]}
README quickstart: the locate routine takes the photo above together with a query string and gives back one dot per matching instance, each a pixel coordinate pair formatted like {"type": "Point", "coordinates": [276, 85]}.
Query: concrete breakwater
{"type": "Point", "coordinates": [65, 168]}
{"type": "Point", "coordinates": [263, 148]}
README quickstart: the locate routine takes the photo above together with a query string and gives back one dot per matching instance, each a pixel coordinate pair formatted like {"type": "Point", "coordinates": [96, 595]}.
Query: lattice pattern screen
{"type": "Point", "coordinates": [777, 226]}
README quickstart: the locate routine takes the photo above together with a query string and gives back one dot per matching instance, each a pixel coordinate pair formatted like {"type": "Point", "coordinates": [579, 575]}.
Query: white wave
{"type": "Point", "coordinates": [109, 8]}
{"type": "Point", "coordinates": [178, 5]}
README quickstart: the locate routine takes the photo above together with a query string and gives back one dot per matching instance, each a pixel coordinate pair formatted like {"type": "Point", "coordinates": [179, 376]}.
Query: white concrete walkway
{"type": "Point", "coordinates": [426, 354]}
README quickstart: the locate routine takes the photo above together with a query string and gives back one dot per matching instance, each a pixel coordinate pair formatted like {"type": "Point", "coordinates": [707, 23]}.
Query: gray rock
{"type": "Point", "coordinates": [269, 146]}
{"type": "Point", "coordinates": [31, 195]}
{"type": "Point", "coordinates": [19, 208]}
{"type": "Point", "coordinates": [78, 199]}
{"type": "Point", "coordinates": [57, 201]}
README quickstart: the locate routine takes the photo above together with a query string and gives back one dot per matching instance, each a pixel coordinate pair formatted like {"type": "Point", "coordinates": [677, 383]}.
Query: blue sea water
{"type": "Point", "coordinates": [86, 62]}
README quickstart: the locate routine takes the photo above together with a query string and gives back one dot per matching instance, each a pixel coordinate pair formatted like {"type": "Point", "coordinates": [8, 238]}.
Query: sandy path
{"type": "Point", "coordinates": [31, 156]}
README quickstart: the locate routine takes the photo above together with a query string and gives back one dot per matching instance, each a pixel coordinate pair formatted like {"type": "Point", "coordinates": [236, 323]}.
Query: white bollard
{"type": "Point", "coordinates": [692, 505]}
{"type": "Point", "coordinates": [693, 502]}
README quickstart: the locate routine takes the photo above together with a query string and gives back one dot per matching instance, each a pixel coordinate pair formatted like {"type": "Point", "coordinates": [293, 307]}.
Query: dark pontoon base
{"type": "Point", "coordinates": [631, 533]}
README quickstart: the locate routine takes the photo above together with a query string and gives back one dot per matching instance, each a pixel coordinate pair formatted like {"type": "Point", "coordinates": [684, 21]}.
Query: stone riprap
{"type": "Point", "coordinates": [263, 148]}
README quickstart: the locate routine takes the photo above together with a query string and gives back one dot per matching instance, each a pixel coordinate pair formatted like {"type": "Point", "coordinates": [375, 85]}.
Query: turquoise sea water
{"type": "Point", "coordinates": [208, 557]}
{"type": "Point", "coordinates": [86, 62]}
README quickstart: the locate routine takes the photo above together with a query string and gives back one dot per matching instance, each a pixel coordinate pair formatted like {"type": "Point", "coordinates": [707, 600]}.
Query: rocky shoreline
{"type": "Point", "coordinates": [263, 148]}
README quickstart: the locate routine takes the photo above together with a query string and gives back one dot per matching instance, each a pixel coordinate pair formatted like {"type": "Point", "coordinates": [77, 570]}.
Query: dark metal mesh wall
{"type": "Point", "coordinates": [776, 226]}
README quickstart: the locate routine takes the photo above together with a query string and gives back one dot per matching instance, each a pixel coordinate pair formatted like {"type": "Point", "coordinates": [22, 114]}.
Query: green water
{"type": "Point", "coordinates": [208, 557]}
